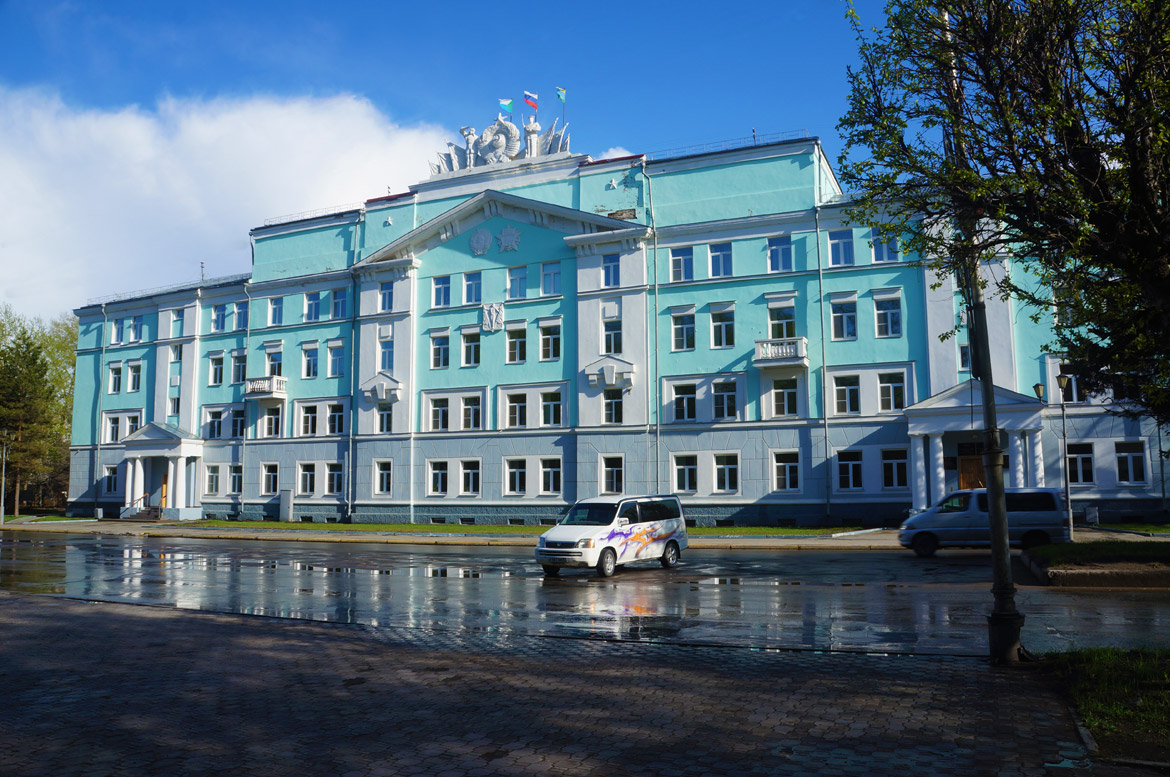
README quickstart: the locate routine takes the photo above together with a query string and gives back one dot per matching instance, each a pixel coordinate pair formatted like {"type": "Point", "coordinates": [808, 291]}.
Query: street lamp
{"type": "Point", "coordinates": [1063, 381]}
{"type": "Point", "coordinates": [3, 470]}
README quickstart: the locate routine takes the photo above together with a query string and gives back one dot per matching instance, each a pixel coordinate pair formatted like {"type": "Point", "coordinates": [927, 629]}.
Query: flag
{"type": "Point", "coordinates": [530, 98]}
{"type": "Point", "coordinates": [561, 94]}
{"type": "Point", "coordinates": [506, 104]}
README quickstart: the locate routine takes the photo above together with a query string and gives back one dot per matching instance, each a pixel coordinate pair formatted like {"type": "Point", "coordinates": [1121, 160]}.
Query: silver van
{"type": "Point", "coordinates": [1036, 516]}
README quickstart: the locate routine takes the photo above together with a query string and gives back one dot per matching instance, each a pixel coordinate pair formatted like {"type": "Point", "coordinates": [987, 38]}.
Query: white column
{"type": "Point", "coordinates": [128, 491]}
{"type": "Point", "coordinates": [171, 482]}
{"type": "Point", "coordinates": [1037, 449]}
{"type": "Point", "coordinates": [181, 481]}
{"type": "Point", "coordinates": [938, 472]}
{"type": "Point", "coordinates": [917, 473]}
{"type": "Point", "coordinates": [1016, 458]}
{"type": "Point", "coordinates": [139, 479]}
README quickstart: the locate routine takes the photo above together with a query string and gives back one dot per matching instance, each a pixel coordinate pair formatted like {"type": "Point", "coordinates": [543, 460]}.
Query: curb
{"type": "Point", "coordinates": [1096, 578]}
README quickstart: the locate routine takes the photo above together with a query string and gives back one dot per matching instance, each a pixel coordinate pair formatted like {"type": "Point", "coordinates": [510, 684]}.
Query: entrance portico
{"type": "Point", "coordinates": [158, 471]}
{"type": "Point", "coordinates": [946, 441]}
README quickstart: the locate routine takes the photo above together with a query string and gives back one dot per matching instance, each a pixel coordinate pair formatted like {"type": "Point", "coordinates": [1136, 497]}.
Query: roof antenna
{"type": "Point", "coordinates": [754, 142]}
{"type": "Point", "coordinates": [202, 277]}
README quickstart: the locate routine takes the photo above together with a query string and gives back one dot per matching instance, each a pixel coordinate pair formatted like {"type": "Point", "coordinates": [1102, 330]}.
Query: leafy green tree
{"type": "Point", "coordinates": [1038, 129]}
{"type": "Point", "coordinates": [26, 411]}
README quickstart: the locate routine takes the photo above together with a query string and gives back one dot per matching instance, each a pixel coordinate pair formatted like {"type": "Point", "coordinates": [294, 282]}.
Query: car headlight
{"type": "Point", "coordinates": [540, 542]}
{"type": "Point", "coordinates": [904, 527]}
{"type": "Point", "coordinates": [585, 543]}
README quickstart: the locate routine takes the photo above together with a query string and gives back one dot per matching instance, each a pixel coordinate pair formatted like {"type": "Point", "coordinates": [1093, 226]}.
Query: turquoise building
{"type": "Point", "coordinates": [529, 327]}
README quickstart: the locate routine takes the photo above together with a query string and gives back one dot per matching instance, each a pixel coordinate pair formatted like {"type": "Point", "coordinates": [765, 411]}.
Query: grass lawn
{"type": "Point", "coordinates": [454, 528]}
{"type": "Point", "coordinates": [1123, 696]}
{"type": "Point", "coordinates": [58, 518]}
{"type": "Point", "coordinates": [1148, 528]}
{"type": "Point", "coordinates": [1107, 552]}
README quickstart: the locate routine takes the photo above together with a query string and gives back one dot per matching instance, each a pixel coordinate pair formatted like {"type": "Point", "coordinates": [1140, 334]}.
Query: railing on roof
{"type": "Point", "coordinates": [168, 289]}
{"type": "Point", "coordinates": [729, 145]}
{"type": "Point", "coordinates": [312, 214]}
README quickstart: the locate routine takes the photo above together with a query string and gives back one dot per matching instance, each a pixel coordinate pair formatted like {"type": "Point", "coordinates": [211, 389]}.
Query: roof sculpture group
{"type": "Point", "coordinates": [501, 142]}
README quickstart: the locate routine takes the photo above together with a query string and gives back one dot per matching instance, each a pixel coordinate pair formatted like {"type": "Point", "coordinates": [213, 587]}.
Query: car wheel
{"type": "Point", "coordinates": [925, 545]}
{"type": "Point", "coordinates": [550, 570]}
{"type": "Point", "coordinates": [607, 563]}
{"type": "Point", "coordinates": [670, 555]}
{"type": "Point", "coordinates": [1033, 539]}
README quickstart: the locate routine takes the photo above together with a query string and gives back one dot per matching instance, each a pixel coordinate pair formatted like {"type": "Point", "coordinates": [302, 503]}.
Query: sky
{"type": "Point", "coordinates": [141, 141]}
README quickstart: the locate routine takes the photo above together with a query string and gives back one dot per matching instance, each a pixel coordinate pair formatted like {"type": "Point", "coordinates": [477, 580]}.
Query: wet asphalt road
{"type": "Point", "coordinates": [868, 601]}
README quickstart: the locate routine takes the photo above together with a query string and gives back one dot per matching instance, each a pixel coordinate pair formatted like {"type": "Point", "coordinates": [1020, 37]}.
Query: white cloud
{"type": "Point", "coordinates": [613, 153]}
{"type": "Point", "coordinates": [101, 202]}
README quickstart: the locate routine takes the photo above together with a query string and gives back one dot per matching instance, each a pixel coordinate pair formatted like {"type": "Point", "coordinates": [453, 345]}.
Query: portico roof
{"type": "Point", "coordinates": [158, 439]}
{"type": "Point", "coordinates": [960, 408]}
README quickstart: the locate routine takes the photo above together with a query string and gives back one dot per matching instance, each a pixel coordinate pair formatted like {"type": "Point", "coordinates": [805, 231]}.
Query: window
{"type": "Point", "coordinates": [211, 481]}
{"type": "Point", "coordinates": [219, 318]}
{"type": "Point", "coordinates": [439, 478]}
{"type": "Point", "coordinates": [471, 477]}
{"type": "Point", "coordinates": [386, 355]}
{"type": "Point", "coordinates": [612, 336]}
{"type": "Point", "coordinates": [1072, 392]}
{"type": "Point", "coordinates": [308, 479]}
{"type": "Point", "coordinates": [786, 468]}
{"type": "Point", "coordinates": [682, 264]}
{"type": "Point", "coordinates": [720, 260]}
{"type": "Point", "coordinates": [894, 469]}
{"type": "Point", "coordinates": [613, 406]}
{"type": "Point", "coordinates": [517, 477]}
{"type": "Point", "coordinates": [780, 254]}
{"type": "Point", "coordinates": [441, 286]}
{"type": "Point", "coordinates": [131, 424]}
{"type": "Point", "coordinates": [727, 472]}
{"type": "Point", "coordinates": [550, 278]}
{"type": "Point", "coordinates": [683, 328]}
{"type": "Point", "coordinates": [440, 420]}
{"type": "Point", "coordinates": [612, 474]}
{"type": "Point", "coordinates": [849, 470]}
{"type": "Point", "coordinates": [782, 323]}
{"type": "Point", "coordinates": [135, 374]}
{"type": "Point", "coordinates": [177, 323]}
{"type": "Point", "coordinates": [236, 479]}
{"type": "Point", "coordinates": [241, 316]}
{"type": "Point", "coordinates": [517, 282]}
{"type": "Point", "coordinates": [309, 362]}
{"type": "Point", "coordinates": [471, 349]}
{"type": "Point", "coordinates": [841, 248]}
{"type": "Point", "coordinates": [237, 421]}
{"type": "Point", "coordinates": [340, 303]}
{"type": "Point", "coordinates": [177, 352]}
{"type": "Point", "coordinates": [214, 424]}
{"type": "Point", "coordinates": [275, 362]}
{"type": "Point", "coordinates": [386, 296]}
{"type": "Point", "coordinates": [684, 402]}
{"type": "Point", "coordinates": [275, 311]}
{"type": "Point", "coordinates": [723, 394]}
{"type": "Point", "coordinates": [272, 422]}
{"type": "Point", "coordinates": [889, 316]}
{"type": "Point", "coordinates": [111, 481]}
{"type": "Point", "coordinates": [383, 482]}
{"type": "Point", "coordinates": [517, 411]}
{"type": "Point", "coordinates": [1131, 462]}
{"type": "Point", "coordinates": [336, 361]}
{"type": "Point", "coordinates": [115, 380]}
{"type": "Point", "coordinates": [686, 473]}
{"type": "Point", "coordinates": [117, 333]}
{"type": "Point", "coordinates": [550, 342]}
{"type": "Point", "coordinates": [216, 371]}
{"type": "Point", "coordinates": [313, 306]}
{"type": "Point", "coordinates": [1080, 463]}
{"type": "Point", "coordinates": [270, 480]}
{"type": "Point", "coordinates": [611, 271]}
{"type": "Point", "coordinates": [723, 329]}
{"type": "Point", "coordinates": [550, 476]}
{"type": "Point", "coordinates": [136, 329]}
{"type": "Point", "coordinates": [471, 288]}
{"type": "Point", "coordinates": [964, 356]}
{"type": "Point", "coordinates": [892, 390]}
{"type": "Point", "coordinates": [885, 251]}
{"type": "Point", "coordinates": [333, 479]}
{"type": "Point", "coordinates": [385, 418]}
{"type": "Point", "coordinates": [440, 352]}
{"type": "Point", "coordinates": [335, 419]}
{"type": "Point", "coordinates": [517, 346]}
{"type": "Point", "coordinates": [239, 367]}
{"type": "Point", "coordinates": [848, 394]}
{"type": "Point", "coordinates": [550, 408]}
{"type": "Point", "coordinates": [784, 397]}
{"type": "Point", "coordinates": [472, 413]}
{"type": "Point", "coordinates": [844, 320]}
{"type": "Point", "coordinates": [173, 406]}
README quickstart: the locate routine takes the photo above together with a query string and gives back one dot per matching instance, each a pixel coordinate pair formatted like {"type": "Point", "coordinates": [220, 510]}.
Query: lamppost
{"type": "Point", "coordinates": [1063, 381]}
{"type": "Point", "coordinates": [3, 470]}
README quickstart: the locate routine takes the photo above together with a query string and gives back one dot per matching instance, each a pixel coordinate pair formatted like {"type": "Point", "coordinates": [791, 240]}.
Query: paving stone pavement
{"type": "Point", "coordinates": [100, 689]}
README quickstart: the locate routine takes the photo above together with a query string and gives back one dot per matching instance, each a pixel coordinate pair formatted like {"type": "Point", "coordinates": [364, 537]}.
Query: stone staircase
{"type": "Point", "coordinates": [146, 514]}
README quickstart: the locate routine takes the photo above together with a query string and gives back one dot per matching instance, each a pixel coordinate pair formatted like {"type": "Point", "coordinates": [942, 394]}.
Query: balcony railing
{"type": "Point", "coordinates": [789, 352]}
{"type": "Point", "coordinates": [270, 387]}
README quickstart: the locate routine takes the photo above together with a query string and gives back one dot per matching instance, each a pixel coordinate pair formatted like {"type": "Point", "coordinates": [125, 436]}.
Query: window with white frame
{"type": "Point", "coordinates": [272, 422]}
{"type": "Point", "coordinates": [786, 471]}
{"type": "Point", "coordinates": [612, 401]}
{"type": "Point", "coordinates": [888, 315]}
{"type": "Point", "coordinates": [173, 405]}
{"type": "Point", "coordinates": [1072, 392]}
{"type": "Point", "coordinates": [440, 414]}
{"type": "Point", "coordinates": [440, 352]}
{"type": "Point", "coordinates": [236, 479]}
{"type": "Point", "coordinates": [439, 478]}
{"type": "Point", "coordinates": [550, 408]}
{"type": "Point", "coordinates": [238, 421]}
{"type": "Point", "coordinates": [682, 264]}
{"type": "Point", "coordinates": [177, 352]}
{"type": "Point", "coordinates": [386, 355]}
{"type": "Point", "coordinates": [134, 372]}
{"type": "Point", "coordinates": [472, 288]}
{"type": "Point", "coordinates": [685, 401]}
{"type": "Point", "coordinates": [336, 361]}
{"type": "Point", "coordinates": [118, 331]}
{"type": "Point", "coordinates": [780, 254]}
{"type": "Point", "coordinates": [611, 271]}
{"type": "Point", "coordinates": [211, 480]}
{"type": "Point", "coordinates": [550, 342]}
{"type": "Point", "coordinates": [307, 482]}
{"type": "Point", "coordinates": [517, 282]}
{"type": "Point", "coordinates": [115, 379]}
{"type": "Point", "coordinates": [386, 296]}
{"type": "Point", "coordinates": [884, 250]}
{"type": "Point", "coordinates": [241, 316]}
{"type": "Point", "coordinates": [516, 476]}
{"type": "Point", "coordinates": [472, 413]}
{"type": "Point", "coordinates": [723, 396]}
{"type": "Point", "coordinates": [133, 421]}
{"type": "Point", "coordinates": [841, 248]}
{"type": "Point", "coordinates": [550, 476]}
{"type": "Point", "coordinates": [891, 391]}
{"type": "Point", "coordinates": [682, 326]}
{"type": "Point", "coordinates": [113, 428]}
{"type": "Point", "coordinates": [894, 469]}
{"type": "Point", "coordinates": [612, 474]}
{"type": "Point", "coordinates": [782, 322]}
{"type": "Point", "coordinates": [214, 424]}
{"type": "Point", "coordinates": [219, 318]}
{"type": "Point", "coordinates": [136, 329]}
{"type": "Point", "coordinates": [177, 322]}
{"type": "Point", "coordinates": [308, 420]}
{"type": "Point", "coordinates": [611, 336]}
{"type": "Point", "coordinates": [275, 363]}
{"type": "Point", "coordinates": [441, 288]}
{"type": "Point", "coordinates": [334, 478]}
{"type": "Point", "coordinates": [340, 303]}
{"type": "Point", "coordinates": [470, 477]}
{"type": "Point", "coordinates": [849, 470]}
{"type": "Point", "coordinates": [723, 329]}
{"type": "Point", "coordinates": [275, 311]}
{"type": "Point", "coordinates": [727, 473]}
{"type": "Point", "coordinates": [847, 391]}
{"type": "Point", "coordinates": [1080, 463]}
{"type": "Point", "coordinates": [111, 480]}
{"type": "Point", "coordinates": [517, 406]}
{"type": "Point", "coordinates": [784, 397]}
{"type": "Point", "coordinates": [239, 367]}
{"type": "Point", "coordinates": [385, 418]}
{"type": "Point", "coordinates": [309, 362]}
{"type": "Point", "coordinates": [215, 373]}
{"type": "Point", "coordinates": [844, 315]}
{"type": "Point", "coordinates": [964, 356]}
{"type": "Point", "coordinates": [686, 474]}
{"type": "Point", "coordinates": [720, 254]}
{"type": "Point", "coordinates": [517, 346]}
{"type": "Point", "coordinates": [383, 477]}
{"type": "Point", "coordinates": [550, 278]}
{"type": "Point", "coordinates": [313, 306]}
{"type": "Point", "coordinates": [335, 417]}
{"type": "Point", "coordinates": [269, 479]}
{"type": "Point", "coordinates": [1131, 462]}
{"type": "Point", "coordinates": [471, 349]}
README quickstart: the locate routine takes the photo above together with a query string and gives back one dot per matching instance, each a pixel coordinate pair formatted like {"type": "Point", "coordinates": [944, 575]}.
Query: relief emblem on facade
{"type": "Point", "coordinates": [481, 241]}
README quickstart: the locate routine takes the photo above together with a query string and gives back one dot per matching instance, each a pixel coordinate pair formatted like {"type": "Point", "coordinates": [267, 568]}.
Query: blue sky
{"type": "Point", "coordinates": [134, 132]}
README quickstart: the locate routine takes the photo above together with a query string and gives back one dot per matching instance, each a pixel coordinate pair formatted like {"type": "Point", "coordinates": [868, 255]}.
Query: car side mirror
{"type": "Point", "coordinates": [623, 521]}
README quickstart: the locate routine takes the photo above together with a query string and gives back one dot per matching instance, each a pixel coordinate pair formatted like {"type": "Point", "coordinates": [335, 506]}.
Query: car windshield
{"type": "Point", "coordinates": [590, 515]}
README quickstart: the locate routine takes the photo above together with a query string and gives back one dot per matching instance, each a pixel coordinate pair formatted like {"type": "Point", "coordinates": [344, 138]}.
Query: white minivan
{"type": "Point", "coordinates": [1036, 516]}
{"type": "Point", "coordinates": [606, 531]}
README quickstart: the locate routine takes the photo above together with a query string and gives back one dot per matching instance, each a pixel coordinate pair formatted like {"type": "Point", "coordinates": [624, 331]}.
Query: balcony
{"type": "Point", "coordinates": [269, 387]}
{"type": "Point", "coordinates": [790, 352]}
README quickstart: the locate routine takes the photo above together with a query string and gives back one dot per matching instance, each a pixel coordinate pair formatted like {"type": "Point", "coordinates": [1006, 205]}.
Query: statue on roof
{"type": "Point", "coordinates": [501, 142]}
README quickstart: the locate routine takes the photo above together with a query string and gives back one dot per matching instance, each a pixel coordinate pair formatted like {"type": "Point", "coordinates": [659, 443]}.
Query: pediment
{"type": "Point", "coordinates": [610, 372]}
{"type": "Point", "coordinates": [382, 387]}
{"type": "Point", "coordinates": [154, 432]}
{"type": "Point", "coordinates": [969, 394]}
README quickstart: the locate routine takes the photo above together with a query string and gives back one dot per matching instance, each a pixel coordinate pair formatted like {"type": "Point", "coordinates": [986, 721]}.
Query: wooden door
{"type": "Point", "coordinates": [971, 472]}
{"type": "Point", "coordinates": [162, 502]}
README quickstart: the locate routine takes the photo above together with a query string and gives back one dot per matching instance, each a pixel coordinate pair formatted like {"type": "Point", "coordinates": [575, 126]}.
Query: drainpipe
{"type": "Point", "coordinates": [657, 377]}
{"type": "Point", "coordinates": [351, 481]}
{"type": "Point", "coordinates": [410, 420]}
{"type": "Point", "coordinates": [97, 422]}
{"type": "Point", "coordinates": [824, 363]}
{"type": "Point", "coordinates": [247, 348]}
